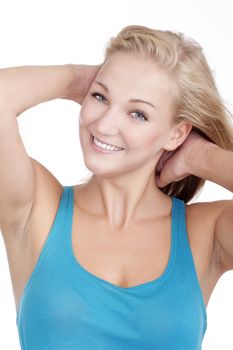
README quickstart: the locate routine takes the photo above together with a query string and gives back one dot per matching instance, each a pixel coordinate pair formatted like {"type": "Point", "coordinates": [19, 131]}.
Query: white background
{"type": "Point", "coordinates": [59, 32]}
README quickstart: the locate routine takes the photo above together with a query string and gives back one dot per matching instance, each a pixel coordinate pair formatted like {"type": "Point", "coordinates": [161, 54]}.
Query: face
{"type": "Point", "coordinates": [112, 112]}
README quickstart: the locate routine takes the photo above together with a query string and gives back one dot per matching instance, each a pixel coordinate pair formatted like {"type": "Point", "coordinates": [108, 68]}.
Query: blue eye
{"type": "Point", "coordinates": [143, 117]}
{"type": "Point", "coordinates": [142, 114]}
{"type": "Point", "coordinates": [96, 94]}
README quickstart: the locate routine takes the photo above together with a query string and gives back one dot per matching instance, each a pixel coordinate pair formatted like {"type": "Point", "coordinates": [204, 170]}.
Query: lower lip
{"type": "Point", "coordinates": [97, 148]}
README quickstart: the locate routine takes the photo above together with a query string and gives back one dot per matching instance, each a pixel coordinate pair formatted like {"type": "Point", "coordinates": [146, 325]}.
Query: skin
{"type": "Point", "coordinates": [123, 188]}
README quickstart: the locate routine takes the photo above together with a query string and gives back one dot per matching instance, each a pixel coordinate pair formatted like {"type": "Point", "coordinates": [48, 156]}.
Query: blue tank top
{"type": "Point", "coordinates": [66, 307]}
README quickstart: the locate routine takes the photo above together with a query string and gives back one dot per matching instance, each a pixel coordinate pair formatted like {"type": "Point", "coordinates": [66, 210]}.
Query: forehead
{"type": "Point", "coordinates": [132, 73]}
{"type": "Point", "coordinates": [132, 65]}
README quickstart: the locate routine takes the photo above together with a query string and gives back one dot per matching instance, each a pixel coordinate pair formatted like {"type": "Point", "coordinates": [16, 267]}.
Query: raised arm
{"type": "Point", "coordinates": [20, 89]}
{"type": "Point", "coordinates": [27, 86]}
{"type": "Point", "coordinates": [22, 177]}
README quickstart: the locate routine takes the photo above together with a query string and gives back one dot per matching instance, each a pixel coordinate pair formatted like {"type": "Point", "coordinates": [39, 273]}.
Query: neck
{"type": "Point", "coordinates": [123, 201]}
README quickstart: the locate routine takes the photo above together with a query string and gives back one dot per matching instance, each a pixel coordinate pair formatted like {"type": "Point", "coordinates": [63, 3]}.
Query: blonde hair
{"type": "Point", "coordinates": [198, 100]}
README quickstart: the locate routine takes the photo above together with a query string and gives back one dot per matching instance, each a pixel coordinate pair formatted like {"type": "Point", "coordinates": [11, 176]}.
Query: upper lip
{"type": "Point", "coordinates": [107, 143]}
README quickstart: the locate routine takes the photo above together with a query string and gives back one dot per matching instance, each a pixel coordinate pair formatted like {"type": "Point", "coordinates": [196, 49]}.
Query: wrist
{"type": "Point", "coordinates": [71, 79]}
{"type": "Point", "coordinates": [75, 90]}
{"type": "Point", "coordinates": [199, 161]}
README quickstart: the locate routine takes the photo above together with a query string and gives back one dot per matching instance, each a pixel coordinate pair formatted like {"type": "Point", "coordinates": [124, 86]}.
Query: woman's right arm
{"type": "Point", "coordinates": [26, 86]}
{"type": "Point", "coordinates": [21, 88]}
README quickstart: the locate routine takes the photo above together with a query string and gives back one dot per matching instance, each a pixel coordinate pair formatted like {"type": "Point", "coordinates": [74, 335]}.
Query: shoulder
{"type": "Point", "coordinates": [201, 218]}
{"type": "Point", "coordinates": [202, 211]}
{"type": "Point", "coordinates": [204, 214]}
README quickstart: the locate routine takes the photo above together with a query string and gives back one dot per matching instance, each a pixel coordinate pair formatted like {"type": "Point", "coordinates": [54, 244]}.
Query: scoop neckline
{"type": "Point", "coordinates": [92, 276]}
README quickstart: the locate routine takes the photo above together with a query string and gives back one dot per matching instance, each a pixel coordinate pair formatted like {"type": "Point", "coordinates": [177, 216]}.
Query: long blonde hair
{"type": "Point", "coordinates": [198, 103]}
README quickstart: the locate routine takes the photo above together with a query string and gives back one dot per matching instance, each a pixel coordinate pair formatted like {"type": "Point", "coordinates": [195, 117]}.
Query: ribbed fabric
{"type": "Point", "coordinates": [66, 307]}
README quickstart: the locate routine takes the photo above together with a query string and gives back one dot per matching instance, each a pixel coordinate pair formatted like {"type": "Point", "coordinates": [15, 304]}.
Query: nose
{"type": "Point", "coordinates": [107, 124]}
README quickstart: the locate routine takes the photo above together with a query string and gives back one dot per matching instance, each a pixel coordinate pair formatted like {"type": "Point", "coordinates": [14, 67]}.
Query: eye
{"type": "Point", "coordinates": [143, 116]}
{"type": "Point", "coordinates": [97, 94]}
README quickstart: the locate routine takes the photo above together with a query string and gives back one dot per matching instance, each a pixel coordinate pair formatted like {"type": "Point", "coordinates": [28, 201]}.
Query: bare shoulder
{"type": "Point", "coordinates": [201, 220]}
{"type": "Point", "coordinates": [46, 196]}
{"type": "Point", "coordinates": [24, 247]}
{"type": "Point", "coordinates": [200, 212]}
{"type": "Point", "coordinates": [46, 200]}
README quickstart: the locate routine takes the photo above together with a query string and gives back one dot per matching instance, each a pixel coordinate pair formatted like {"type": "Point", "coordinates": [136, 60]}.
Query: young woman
{"type": "Point", "coordinates": [121, 261]}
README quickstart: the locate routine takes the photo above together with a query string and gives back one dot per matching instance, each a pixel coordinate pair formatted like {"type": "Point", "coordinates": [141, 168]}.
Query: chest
{"type": "Point", "coordinates": [127, 258]}
{"type": "Point", "coordinates": [141, 253]}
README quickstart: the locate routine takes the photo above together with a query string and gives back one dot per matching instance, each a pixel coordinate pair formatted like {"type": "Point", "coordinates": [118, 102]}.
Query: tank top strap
{"type": "Point", "coordinates": [56, 240]}
{"type": "Point", "coordinates": [62, 216]}
{"type": "Point", "coordinates": [68, 209]}
{"type": "Point", "coordinates": [185, 252]}
{"type": "Point", "coordinates": [184, 255]}
{"type": "Point", "coordinates": [62, 227]}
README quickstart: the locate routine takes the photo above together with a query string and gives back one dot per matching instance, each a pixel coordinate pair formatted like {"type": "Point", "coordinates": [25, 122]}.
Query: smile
{"type": "Point", "coordinates": [103, 147]}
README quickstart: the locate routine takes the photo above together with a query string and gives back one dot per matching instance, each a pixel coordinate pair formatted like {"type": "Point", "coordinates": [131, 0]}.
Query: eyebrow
{"type": "Point", "coordinates": [132, 100]}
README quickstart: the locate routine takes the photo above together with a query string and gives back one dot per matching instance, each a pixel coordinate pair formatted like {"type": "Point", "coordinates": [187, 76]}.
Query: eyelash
{"type": "Point", "coordinates": [94, 94]}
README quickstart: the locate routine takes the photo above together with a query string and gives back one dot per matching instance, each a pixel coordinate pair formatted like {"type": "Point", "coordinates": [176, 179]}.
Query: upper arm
{"type": "Point", "coordinates": [224, 233]}
{"type": "Point", "coordinates": [21, 179]}
{"type": "Point", "coordinates": [17, 177]}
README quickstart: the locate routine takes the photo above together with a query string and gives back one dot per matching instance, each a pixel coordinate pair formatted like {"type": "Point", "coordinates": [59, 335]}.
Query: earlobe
{"type": "Point", "coordinates": [178, 136]}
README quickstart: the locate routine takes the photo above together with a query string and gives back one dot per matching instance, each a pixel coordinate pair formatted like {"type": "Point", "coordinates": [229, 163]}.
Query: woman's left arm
{"type": "Point", "coordinates": [202, 158]}
{"type": "Point", "coordinates": [216, 165]}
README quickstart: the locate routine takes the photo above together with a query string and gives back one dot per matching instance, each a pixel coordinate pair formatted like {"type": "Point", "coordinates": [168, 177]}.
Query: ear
{"type": "Point", "coordinates": [178, 135]}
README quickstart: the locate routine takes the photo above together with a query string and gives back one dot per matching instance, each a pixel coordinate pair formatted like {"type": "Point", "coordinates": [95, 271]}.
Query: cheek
{"type": "Point", "coordinates": [86, 115]}
{"type": "Point", "coordinates": [156, 140]}
{"type": "Point", "coordinates": [89, 112]}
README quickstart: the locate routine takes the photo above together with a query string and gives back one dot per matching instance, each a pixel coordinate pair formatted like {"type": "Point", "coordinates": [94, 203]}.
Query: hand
{"type": "Point", "coordinates": [175, 165]}
{"type": "Point", "coordinates": [80, 85]}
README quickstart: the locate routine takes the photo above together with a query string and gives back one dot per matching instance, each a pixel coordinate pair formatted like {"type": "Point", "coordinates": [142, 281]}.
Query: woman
{"type": "Point", "coordinates": [120, 261]}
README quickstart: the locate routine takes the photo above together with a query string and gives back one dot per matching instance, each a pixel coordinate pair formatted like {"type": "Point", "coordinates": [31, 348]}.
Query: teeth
{"type": "Point", "coordinates": [106, 146]}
